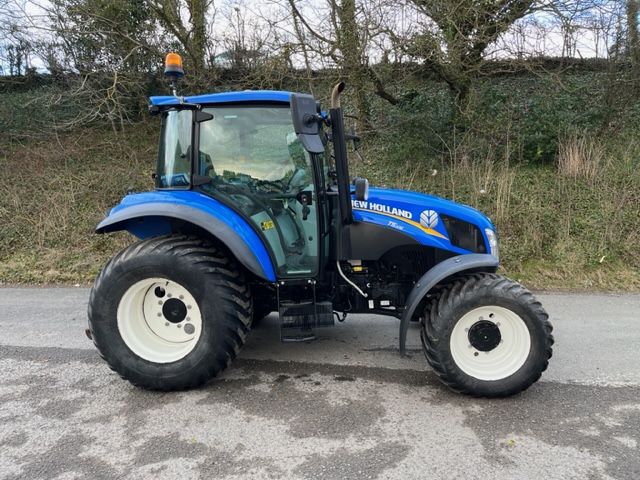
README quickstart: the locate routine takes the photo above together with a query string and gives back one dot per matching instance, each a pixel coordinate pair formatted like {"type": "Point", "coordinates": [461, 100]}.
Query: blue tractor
{"type": "Point", "coordinates": [254, 212]}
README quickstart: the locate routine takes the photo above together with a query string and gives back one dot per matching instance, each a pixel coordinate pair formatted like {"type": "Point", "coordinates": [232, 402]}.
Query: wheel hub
{"type": "Point", "coordinates": [484, 336]}
{"type": "Point", "coordinates": [174, 310]}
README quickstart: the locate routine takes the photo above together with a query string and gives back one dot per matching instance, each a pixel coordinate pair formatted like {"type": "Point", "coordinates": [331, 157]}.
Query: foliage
{"type": "Point", "coordinates": [58, 189]}
{"type": "Point", "coordinates": [103, 36]}
{"type": "Point", "coordinates": [523, 117]}
{"type": "Point", "coordinates": [551, 158]}
{"type": "Point", "coordinates": [73, 101]}
{"type": "Point", "coordinates": [463, 30]}
{"type": "Point", "coordinates": [515, 118]}
{"type": "Point", "coordinates": [557, 230]}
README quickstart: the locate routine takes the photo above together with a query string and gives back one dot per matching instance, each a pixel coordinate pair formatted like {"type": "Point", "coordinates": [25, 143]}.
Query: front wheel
{"type": "Point", "coordinates": [169, 313]}
{"type": "Point", "coordinates": [486, 335]}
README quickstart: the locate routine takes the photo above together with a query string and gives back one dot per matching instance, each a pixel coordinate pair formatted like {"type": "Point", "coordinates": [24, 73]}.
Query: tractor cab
{"type": "Point", "coordinates": [243, 151]}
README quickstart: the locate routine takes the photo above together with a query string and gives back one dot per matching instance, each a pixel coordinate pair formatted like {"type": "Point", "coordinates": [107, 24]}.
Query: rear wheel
{"type": "Point", "coordinates": [169, 313]}
{"type": "Point", "coordinates": [486, 335]}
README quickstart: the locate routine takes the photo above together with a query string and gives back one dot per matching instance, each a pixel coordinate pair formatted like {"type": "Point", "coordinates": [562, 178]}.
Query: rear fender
{"type": "Point", "coordinates": [475, 262]}
{"type": "Point", "coordinates": [155, 213]}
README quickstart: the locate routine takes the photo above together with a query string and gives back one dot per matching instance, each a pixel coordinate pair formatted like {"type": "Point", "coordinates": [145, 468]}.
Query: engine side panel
{"type": "Point", "coordinates": [370, 240]}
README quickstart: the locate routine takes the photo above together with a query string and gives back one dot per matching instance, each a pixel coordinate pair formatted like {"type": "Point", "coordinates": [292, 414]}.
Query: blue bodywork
{"type": "Point", "coordinates": [418, 216]}
{"type": "Point", "coordinates": [148, 214]}
{"type": "Point", "coordinates": [226, 97]}
{"type": "Point", "coordinates": [401, 210]}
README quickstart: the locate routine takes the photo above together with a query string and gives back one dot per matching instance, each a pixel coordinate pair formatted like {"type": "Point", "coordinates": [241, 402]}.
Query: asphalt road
{"type": "Point", "coordinates": [343, 407]}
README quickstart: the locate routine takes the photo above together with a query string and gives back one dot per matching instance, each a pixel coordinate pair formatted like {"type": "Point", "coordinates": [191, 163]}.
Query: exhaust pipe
{"type": "Point", "coordinates": [335, 95]}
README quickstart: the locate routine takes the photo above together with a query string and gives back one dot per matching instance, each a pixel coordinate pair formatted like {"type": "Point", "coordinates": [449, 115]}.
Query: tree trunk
{"type": "Point", "coordinates": [353, 66]}
{"type": "Point", "coordinates": [197, 10]}
{"type": "Point", "coordinates": [633, 8]}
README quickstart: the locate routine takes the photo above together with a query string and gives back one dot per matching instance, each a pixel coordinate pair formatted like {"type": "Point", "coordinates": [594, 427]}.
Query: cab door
{"type": "Point", "coordinates": [255, 163]}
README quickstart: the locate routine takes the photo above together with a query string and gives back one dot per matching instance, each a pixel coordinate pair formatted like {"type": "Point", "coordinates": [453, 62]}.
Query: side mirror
{"type": "Point", "coordinates": [306, 121]}
{"type": "Point", "coordinates": [362, 188]}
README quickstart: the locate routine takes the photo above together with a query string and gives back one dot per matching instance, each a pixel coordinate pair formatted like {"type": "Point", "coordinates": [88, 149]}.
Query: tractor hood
{"type": "Point", "coordinates": [429, 219]}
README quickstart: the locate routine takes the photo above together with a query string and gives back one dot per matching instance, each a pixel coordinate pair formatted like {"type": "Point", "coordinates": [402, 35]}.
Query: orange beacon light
{"type": "Point", "coordinates": [173, 66]}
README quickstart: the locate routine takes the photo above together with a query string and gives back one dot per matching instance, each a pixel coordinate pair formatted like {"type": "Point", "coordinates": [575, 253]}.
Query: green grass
{"type": "Point", "coordinates": [557, 230]}
{"type": "Point", "coordinates": [56, 191]}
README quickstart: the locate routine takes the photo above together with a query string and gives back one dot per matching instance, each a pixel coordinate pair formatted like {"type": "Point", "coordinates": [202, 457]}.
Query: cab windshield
{"type": "Point", "coordinates": [256, 144]}
{"type": "Point", "coordinates": [249, 158]}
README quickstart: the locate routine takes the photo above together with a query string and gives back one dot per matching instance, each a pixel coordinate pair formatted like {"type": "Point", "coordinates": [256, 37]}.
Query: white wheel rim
{"type": "Point", "coordinates": [159, 320]}
{"type": "Point", "coordinates": [490, 362]}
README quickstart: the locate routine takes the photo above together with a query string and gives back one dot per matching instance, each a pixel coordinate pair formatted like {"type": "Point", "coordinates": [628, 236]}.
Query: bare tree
{"type": "Point", "coordinates": [243, 39]}
{"type": "Point", "coordinates": [15, 45]}
{"type": "Point", "coordinates": [342, 31]}
{"type": "Point", "coordinates": [189, 30]}
{"type": "Point", "coordinates": [456, 35]}
{"type": "Point", "coordinates": [633, 9]}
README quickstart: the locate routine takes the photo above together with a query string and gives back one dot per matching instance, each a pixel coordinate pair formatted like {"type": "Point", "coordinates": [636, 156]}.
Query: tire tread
{"type": "Point", "coordinates": [437, 318]}
{"type": "Point", "coordinates": [219, 268]}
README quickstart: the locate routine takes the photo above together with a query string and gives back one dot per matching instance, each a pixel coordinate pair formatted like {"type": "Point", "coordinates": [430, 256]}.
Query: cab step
{"type": "Point", "coordinates": [299, 321]}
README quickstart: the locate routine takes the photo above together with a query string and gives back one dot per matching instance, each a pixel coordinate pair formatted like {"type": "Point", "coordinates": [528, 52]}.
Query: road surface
{"type": "Point", "coordinates": [343, 407]}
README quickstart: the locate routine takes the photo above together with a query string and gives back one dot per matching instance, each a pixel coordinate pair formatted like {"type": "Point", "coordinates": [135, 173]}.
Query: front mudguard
{"type": "Point", "coordinates": [474, 262]}
{"type": "Point", "coordinates": [157, 213]}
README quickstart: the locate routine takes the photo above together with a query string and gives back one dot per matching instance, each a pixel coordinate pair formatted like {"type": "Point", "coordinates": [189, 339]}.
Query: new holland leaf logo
{"type": "Point", "coordinates": [429, 219]}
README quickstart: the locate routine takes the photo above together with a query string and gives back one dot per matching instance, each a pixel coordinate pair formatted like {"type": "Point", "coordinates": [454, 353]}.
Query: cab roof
{"type": "Point", "coordinates": [227, 97]}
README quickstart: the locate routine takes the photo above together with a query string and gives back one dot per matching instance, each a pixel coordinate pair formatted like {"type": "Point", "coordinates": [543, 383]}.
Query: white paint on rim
{"type": "Point", "coordinates": [504, 360]}
{"type": "Point", "coordinates": [147, 332]}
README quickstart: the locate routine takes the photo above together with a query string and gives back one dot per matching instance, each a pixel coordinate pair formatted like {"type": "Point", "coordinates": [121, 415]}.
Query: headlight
{"type": "Point", "coordinates": [493, 242]}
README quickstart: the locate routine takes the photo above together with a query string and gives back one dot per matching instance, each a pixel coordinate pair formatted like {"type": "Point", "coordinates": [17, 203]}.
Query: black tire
{"type": "Point", "coordinates": [487, 336]}
{"type": "Point", "coordinates": [169, 313]}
